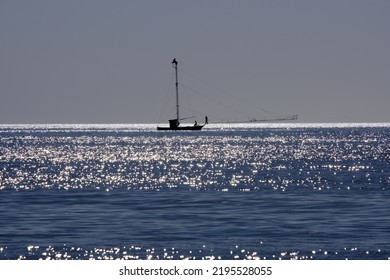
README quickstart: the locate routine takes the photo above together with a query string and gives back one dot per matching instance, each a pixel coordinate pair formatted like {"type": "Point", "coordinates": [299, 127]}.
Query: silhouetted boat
{"type": "Point", "coordinates": [174, 124]}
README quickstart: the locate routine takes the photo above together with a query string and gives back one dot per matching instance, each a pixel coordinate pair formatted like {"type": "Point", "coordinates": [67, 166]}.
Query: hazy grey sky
{"type": "Point", "coordinates": [101, 61]}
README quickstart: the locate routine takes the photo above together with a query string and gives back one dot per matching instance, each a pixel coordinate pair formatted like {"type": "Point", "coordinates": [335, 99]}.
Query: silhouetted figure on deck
{"type": "Point", "coordinates": [206, 120]}
{"type": "Point", "coordinates": [196, 123]}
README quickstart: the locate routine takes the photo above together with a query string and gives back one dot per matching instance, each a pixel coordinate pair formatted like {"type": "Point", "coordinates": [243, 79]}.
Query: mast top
{"type": "Point", "coordinates": [174, 61]}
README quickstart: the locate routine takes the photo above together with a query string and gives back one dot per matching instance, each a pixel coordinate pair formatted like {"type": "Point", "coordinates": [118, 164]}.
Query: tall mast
{"type": "Point", "coordinates": [174, 62]}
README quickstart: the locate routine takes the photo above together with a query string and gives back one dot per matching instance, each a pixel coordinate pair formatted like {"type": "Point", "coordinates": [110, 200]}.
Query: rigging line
{"type": "Point", "coordinates": [265, 110]}
{"type": "Point", "coordinates": [166, 98]}
{"type": "Point", "coordinates": [216, 101]}
{"type": "Point", "coordinates": [200, 80]}
{"type": "Point", "coordinates": [235, 97]}
{"type": "Point", "coordinates": [210, 98]}
{"type": "Point", "coordinates": [187, 97]}
{"type": "Point", "coordinates": [195, 112]}
{"type": "Point", "coordinates": [187, 104]}
{"type": "Point", "coordinates": [260, 108]}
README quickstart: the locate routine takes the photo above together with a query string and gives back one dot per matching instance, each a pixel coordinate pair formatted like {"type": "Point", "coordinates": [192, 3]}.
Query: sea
{"type": "Point", "coordinates": [231, 191]}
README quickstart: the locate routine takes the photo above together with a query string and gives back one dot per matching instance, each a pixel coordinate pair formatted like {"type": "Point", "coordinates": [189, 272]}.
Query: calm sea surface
{"type": "Point", "coordinates": [266, 191]}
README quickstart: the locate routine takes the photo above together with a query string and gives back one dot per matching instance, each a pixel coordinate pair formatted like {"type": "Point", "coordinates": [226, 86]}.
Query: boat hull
{"type": "Point", "coordinates": [194, 127]}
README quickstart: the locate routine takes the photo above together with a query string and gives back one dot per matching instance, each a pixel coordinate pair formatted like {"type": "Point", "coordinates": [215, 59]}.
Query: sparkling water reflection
{"type": "Point", "coordinates": [297, 191]}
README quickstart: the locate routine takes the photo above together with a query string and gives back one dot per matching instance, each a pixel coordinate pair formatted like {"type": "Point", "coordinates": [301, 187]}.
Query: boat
{"type": "Point", "coordinates": [174, 124]}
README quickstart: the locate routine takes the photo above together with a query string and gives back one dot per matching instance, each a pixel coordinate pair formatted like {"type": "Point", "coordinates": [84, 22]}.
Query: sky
{"type": "Point", "coordinates": [95, 61]}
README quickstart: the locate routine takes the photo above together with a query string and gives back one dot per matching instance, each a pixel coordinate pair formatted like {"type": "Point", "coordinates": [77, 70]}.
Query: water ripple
{"type": "Point", "coordinates": [217, 160]}
{"type": "Point", "coordinates": [232, 192]}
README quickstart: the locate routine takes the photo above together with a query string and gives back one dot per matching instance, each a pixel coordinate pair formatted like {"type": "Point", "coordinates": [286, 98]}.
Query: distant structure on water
{"type": "Point", "coordinates": [174, 124]}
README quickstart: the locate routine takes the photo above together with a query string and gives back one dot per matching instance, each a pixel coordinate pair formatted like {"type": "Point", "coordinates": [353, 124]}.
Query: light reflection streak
{"type": "Point", "coordinates": [66, 252]}
{"type": "Point", "coordinates": [93, 157]}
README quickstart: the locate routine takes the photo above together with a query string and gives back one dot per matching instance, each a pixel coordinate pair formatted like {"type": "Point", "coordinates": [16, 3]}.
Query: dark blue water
{"type": "Point", "coordinates": [236, 192]}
